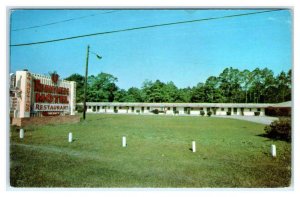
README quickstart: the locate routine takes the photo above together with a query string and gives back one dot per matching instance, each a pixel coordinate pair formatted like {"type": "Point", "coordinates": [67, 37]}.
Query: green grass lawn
{"type": "Point", "coordinates": [230, 153]}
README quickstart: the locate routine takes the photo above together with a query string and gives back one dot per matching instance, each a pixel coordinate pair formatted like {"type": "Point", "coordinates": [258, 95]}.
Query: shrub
{"type": "Point", "coordinates": [176, 112]}
{"type": "Point", "coordinates": [80, 109]}
{"type": "Point", "coordinates": [257, 113]}
{"type": "Point", "coordinates": [115, 110]}
{"type": "Point", "coordinates": [228, 113]}
{"type": "Point", "coordinates": [279, 129]}
{"type": "Point", "coordinates": [155, 111]}
{"type": "Point", "coordinates": [138, 111]}
{"type": "Point", "coordinates": [93, 109]}
{"type": "Point", "coordinates": [209, 113]}
{"type": "Point", "coordinates": [202, 113]}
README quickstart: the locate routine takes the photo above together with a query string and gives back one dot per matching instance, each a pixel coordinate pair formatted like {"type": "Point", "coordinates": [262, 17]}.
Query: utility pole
{"type": "Point", "coordinates": [85, 82]}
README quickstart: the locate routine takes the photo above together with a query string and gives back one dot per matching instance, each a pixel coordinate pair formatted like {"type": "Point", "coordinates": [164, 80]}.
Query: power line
{"type": "Point", "coordinates": [143, 27]}
{"type": "Point", "coordinates": [63, 21]}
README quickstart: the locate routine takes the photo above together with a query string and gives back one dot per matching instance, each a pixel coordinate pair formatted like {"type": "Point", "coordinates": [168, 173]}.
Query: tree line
{"type": "Point", "coordinates": [231, 86]}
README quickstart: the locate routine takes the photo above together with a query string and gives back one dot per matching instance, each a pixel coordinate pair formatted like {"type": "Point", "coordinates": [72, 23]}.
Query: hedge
{"type": "Point", "coordinates": [279, 129]}
{"type": "Point", "coordinates": [282, 111]}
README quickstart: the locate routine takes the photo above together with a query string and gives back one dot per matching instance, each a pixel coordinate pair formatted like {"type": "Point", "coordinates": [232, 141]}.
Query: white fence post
{"type": "Point", "coordinates": [124, 141]}
{"type": "Point", "coordinates": [194, 146]}
{"type": "Point", "coordinates": [21, 133]}
{"type": "Point", "coordinates": [273, 150]}
{"type": "Point", "coordinates": [70, 137]}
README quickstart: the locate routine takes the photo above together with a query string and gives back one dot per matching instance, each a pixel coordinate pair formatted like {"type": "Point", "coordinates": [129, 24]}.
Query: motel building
{"type": "Point", "coordinates": [36, 98]}
{"type": "Point", "coordinates": [217, 109]}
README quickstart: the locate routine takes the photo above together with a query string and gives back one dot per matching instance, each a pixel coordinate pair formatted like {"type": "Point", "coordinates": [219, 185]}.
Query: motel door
{"type": "Point", "coordinates": [214, 110]}
{"type": "Point", "coordinates": [235, 110]}
{"type": "Point", "coordinates": [187, 110]}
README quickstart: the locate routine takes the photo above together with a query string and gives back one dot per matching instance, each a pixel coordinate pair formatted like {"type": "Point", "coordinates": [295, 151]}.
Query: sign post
{"type": "Point", "coordinates": [85, 81]}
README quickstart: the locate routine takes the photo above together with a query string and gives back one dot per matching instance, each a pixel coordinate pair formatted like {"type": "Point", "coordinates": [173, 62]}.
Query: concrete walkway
{"type": "Point", "coordinates": [258, 119]}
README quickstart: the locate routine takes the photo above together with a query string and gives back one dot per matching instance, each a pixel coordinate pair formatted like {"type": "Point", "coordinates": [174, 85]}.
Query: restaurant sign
{"type": "Point", "coordinates": [50, 107]}
{"type": "Point", "coordinates": [50, 98]}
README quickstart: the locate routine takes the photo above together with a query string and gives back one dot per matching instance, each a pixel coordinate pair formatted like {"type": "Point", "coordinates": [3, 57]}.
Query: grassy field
{"type": "Point", "coordinates": [230, 153]}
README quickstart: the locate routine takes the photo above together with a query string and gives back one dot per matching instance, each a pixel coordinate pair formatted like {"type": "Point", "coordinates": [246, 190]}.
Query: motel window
{"type": "Point", "coordinates": [132, 108]}
{"type": "Point", "coordinates": [90, 107]}
{"type": "Point", "coordinates": [98, 107]}
{"type": "Point", "coordinates": [201, 108]}
{"type": "Point", "coordinates": [103, 107]}
{"type": "Point", "coordinates": [235, 110]}
{"type": "Point", "coordinates": [258, 109]}
{"type": "Point", "coordinates": [208, 109]}
{"type": "Point", "coordinates": [168, 108]}
{"type": "Point", "coordinates": [148, 108]}
{"type": "Point", "coordinates": [222, 109]}
{"type": "Point", "coordinates": [174, 108]}
{"type": "Point", "coordinates": [250, 109]}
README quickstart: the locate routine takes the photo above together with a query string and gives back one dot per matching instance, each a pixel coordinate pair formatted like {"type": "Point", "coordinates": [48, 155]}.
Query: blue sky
{"type": "Point", "coordinates": [185, 54]}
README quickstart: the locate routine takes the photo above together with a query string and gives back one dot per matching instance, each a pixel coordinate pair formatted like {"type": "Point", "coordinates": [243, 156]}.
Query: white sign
{"type": "Point", "coordinates": [50, 107]}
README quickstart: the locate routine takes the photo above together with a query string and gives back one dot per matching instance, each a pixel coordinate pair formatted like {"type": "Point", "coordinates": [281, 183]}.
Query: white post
{"type": "Point", "coordinates": [124, 141]}
{"type": "Point", "coordinates": [194, 146]}
{"type": "Point", "coordinates": [273, 150]}
{"type": "Point", "coordinates": [21, 133]}
{"type": "Point", "coordinates": [72, 97]}
{"type": "Point", "coordinates": [70, 137]}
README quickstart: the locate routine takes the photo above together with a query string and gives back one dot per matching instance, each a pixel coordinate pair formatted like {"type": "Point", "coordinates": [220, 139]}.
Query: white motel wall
{"type": "Point", "coordinates": [218, 109]}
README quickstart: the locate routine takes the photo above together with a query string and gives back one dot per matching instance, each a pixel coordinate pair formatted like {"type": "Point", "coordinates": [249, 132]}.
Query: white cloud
{"type": "Point", "coordinates": [271, 19]}
{"type": "Point", "coordinates": [278, 20]}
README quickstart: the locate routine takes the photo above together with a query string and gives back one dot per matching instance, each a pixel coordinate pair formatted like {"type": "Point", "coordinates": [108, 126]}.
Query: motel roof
{"type": "Point", "coordinates": [285, 104]}
{"type": "Point", "coordinates": [238, 105]}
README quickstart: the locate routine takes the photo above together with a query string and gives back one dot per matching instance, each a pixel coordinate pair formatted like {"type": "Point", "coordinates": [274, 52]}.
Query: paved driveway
{"type": "Point", "coordinates": [258, 119]}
